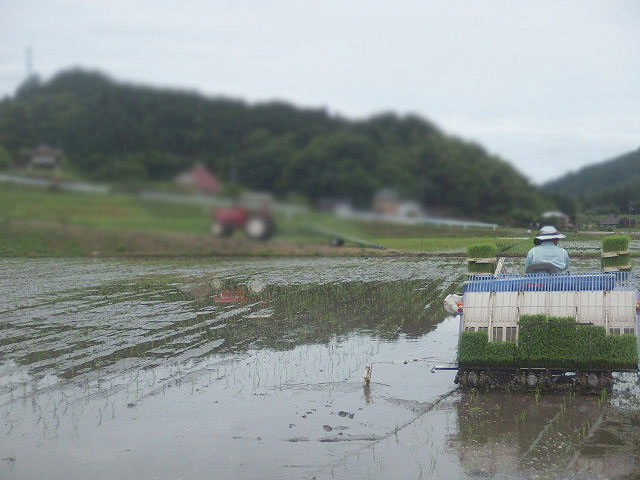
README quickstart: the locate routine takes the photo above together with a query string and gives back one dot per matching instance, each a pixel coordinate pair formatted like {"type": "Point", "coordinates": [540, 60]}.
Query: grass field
{"type": "Point", "coordinates": [116, 211]}
{"type": "Point", "coordinates": [37, 221]}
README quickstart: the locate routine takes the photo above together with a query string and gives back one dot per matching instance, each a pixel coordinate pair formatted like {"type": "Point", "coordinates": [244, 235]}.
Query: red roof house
{"type": "Point", "coordinates": [199, 178]}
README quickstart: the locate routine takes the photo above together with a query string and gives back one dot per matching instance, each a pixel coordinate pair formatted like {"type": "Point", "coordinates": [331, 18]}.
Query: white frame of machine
{"type": "Point", "coordinates": [610, 300]}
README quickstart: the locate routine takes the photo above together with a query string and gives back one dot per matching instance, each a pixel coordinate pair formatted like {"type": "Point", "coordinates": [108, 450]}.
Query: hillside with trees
{"type": "Point", "coordinates": [111, 131]}
{"type": "Point", "coordinates": [606, 187]}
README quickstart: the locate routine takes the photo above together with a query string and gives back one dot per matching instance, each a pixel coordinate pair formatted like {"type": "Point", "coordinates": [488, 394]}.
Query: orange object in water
{"type": "Point", "coordinates": [235, 295]}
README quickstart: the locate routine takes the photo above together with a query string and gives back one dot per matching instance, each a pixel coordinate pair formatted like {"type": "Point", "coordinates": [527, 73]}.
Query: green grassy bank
{"type": "Point", "coordinates": [39, 222]}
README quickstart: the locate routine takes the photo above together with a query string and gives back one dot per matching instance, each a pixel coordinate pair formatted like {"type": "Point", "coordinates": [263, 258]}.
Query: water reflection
{"type": "Point", "coordinates": [528, 436]}
{"type": "Point", "coordinates": [159, 317]}
{"type": "Point", "coordinates": [179, 372]}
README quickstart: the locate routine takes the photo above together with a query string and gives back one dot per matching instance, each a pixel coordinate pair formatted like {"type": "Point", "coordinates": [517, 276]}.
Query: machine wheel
{"type": "Point", "coordinates": [258, 228]}
{"type": "Point", "coordinates": [219, 229]}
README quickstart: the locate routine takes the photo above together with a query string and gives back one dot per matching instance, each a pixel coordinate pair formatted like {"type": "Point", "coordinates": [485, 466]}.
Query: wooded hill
{"type": "Point", "coordinates": [114, 131]}
{"type": "Point", "coordinates": [605, 186]}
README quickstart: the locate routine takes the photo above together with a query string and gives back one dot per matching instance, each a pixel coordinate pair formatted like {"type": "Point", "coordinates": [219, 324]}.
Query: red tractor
{"type": "Point", "coordinates": [252, 214]}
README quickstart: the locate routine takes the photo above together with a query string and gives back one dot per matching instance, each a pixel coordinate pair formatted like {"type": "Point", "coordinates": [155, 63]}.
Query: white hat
{"type": "Point", "coordinates": [549, 232]}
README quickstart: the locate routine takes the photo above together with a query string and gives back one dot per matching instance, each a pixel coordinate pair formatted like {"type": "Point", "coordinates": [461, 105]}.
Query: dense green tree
{"type": "Point", "coordinates": [335, 165]}
{"type": "Point", "coordinates": [130, 167]}
{"type": "Point", "coordinates": [110, 130]}
{"type": "Point", "coordinates": [599, 186]}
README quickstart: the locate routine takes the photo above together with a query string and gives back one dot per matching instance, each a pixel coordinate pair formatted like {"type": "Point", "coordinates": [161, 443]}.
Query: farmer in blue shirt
{"type": "Point", "coordinates": [547, 256]}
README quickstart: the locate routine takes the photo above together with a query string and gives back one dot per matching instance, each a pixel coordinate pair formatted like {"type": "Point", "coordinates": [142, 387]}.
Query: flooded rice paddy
{"type": "Point", "coordinates": [253, 369]}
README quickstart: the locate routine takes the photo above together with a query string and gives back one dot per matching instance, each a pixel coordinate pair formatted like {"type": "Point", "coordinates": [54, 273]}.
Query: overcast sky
{"type": "Point", "coordinates": [548, 85]}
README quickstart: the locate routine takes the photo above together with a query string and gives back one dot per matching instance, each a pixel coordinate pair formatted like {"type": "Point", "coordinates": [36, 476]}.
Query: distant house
{"type": "Point", "coordinates": [610, 221]}
{"type": "Point", "coordinates": [409, 209]}
{"type": "Point", "coordinates": [557, 217]}
{"type": "Point", "coordinates": [44, 156]}
{"type": "Point", "coordinates": [626, 222]}
{"type": "Point", "coordinates": [386, 202]}
{"type": "Point", "coordinates": [334, 204]}
{"type": "Point", "coordinates": [199, 178]}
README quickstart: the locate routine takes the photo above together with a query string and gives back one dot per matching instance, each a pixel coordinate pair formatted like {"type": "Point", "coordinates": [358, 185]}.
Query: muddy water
{"type": "Point", "coordinates": [253, 369]}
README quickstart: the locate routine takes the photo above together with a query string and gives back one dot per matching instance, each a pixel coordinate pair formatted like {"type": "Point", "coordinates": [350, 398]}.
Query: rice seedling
{"type": "Point", "coordinates": [603, 397]}
{"type": "Point", "coordinates": [617, 261]}
{"type": "Point", "coordinates": [520, 418]}
{"type": "Point", "coordinates": [615, 252]}
{"type": "Point", "coordinates": [537, 395]}
{"type": "Point", "coordinates": [482, 258]}
{"type": "Point", "coordinates": [550, 342]}
{"type": "Point", "coordinates": [615, 243]}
